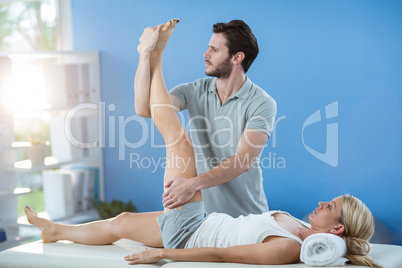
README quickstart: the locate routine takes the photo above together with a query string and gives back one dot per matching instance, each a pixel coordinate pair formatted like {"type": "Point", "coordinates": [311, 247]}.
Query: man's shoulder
{"type": "Point", "coordinates": [202, 84]}
{"type": "Point", "coordinates": [260, 94]}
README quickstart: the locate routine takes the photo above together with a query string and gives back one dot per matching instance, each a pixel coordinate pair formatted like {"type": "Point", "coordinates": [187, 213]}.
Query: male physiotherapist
{"type": "Point", "coordinates": [231, 120]}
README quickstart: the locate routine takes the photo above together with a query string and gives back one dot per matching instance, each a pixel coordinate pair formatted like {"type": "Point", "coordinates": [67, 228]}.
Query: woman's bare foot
{"type": "Point", "coordinates": [48, 228]}
{"type": "Point", "coordinates": [164, 35]}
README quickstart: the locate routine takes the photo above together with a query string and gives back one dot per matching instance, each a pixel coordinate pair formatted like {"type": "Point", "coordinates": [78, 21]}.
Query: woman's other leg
{"type": "Point", "coordinates": [141, 227]}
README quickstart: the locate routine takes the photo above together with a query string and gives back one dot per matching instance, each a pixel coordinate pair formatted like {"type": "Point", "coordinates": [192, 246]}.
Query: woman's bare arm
{"type": "Point", "coordinates": [277, 251]}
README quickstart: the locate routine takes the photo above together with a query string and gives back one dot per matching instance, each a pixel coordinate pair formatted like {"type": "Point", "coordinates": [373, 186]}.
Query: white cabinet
{"type": "Point", "coordinates": [56, 83]}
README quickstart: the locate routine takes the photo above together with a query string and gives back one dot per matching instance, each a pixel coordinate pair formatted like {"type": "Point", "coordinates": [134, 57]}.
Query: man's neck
{"type": "Point", "coordinates": [229, 86]}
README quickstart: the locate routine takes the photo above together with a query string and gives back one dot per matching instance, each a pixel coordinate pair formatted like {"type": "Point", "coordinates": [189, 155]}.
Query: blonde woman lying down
{"type": "Point", "coordinates": [188, 233]}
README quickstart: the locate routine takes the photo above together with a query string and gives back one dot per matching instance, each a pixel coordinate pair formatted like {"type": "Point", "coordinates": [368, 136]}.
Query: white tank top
{"type": "Point", "coordinates": [222, 230]}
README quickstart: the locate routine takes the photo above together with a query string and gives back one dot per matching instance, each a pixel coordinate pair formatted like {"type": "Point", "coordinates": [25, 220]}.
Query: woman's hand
{"type": "Point", "coordinates": [146, 256]}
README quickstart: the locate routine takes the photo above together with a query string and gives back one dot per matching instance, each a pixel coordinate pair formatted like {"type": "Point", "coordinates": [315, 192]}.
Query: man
{"type": "Point", "coordinates": [231, 120]}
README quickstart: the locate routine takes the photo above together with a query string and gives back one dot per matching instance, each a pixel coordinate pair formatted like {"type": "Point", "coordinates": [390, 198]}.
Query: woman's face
{"type": "Point", "coordinates": [326, 217]}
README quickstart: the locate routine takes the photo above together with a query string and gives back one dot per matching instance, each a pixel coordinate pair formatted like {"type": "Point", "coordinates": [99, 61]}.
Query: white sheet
{"type": "Point", "coordinates": [67, 254]}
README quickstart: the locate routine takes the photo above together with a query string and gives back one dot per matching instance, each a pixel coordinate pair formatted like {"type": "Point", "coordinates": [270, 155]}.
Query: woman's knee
{"type": "Point", "coordinates": [120, 222]}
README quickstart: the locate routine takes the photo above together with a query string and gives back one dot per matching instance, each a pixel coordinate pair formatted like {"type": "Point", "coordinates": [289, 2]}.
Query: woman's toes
{"type": "Point", "coordinates": [169, 24]}
{"type": "Point", "coordinates": [30, 211]}
{"type": "Point", "coordinates": [175, 21]}
{"type": "Point", "coordinates": [166, 26]}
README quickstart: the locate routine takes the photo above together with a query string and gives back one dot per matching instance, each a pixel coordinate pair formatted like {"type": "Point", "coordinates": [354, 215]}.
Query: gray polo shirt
{"type": "Point", "coordinates": [215, 130]}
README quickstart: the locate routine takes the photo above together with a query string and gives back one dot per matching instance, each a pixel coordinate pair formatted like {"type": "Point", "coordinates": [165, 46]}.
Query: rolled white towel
{"type": "Point", "coordinates": [323, 250]}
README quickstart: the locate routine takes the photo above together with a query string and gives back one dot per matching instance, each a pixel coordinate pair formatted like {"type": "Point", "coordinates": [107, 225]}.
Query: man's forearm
{"type": "Point", "coordinates": [181, 190]}
{"type": "Point", "coordinates": [224, 172]}
{"type": "Point", "coordinates": [142, 84]}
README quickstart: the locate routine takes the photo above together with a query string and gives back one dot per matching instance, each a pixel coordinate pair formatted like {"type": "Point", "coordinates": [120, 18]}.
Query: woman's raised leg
{"type": "Point", "coordinates": [179, 150]}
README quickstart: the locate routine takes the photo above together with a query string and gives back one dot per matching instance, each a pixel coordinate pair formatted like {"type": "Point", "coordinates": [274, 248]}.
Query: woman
{"type": "Point", "coordinates": [188, 233]}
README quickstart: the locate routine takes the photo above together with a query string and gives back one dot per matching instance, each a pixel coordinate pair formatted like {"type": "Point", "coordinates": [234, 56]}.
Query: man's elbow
{"type": "Point", "coordinates": [245, 163]}
{"type": "Point", "coordinates": [244, 160]}
{"type": "Point", "coordinates": [246, 167]}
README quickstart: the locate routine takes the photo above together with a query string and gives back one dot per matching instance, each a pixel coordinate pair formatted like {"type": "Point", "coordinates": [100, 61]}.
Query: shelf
{"type": "Point", "coordinates": [47, 53]}
{"type": "Point", "coordinates": [16, 146]}
{"type": "Point", "coordinates": [50, 163]}
{"type": "Point", "coordinates": [21, 145]}
{"type": "Point", "coordinates": [77, 218]}
{"type": "Point", "coordinates": [16, 192]}
{"type": "Point", "coordinates": [69, 78]}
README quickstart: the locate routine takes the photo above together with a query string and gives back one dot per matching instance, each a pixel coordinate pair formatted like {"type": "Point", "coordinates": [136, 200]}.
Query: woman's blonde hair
{"type": "Point", "coordinates": [359, 227]}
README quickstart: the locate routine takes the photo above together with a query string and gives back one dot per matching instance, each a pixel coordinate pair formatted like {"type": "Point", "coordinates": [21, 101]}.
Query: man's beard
{"type": "Point", "coordinates": [224, 70]}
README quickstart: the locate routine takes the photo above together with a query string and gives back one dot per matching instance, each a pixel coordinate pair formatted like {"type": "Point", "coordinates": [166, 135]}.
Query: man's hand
{"type": "Point", "coordinates": [146, 256]}
{"type": "Point", "coordinates": [149, 38]}
{"type": "Point", "coordinates": [180, 190]}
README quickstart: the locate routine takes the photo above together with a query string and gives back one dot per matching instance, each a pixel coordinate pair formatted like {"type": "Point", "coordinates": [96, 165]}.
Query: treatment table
{"type": "Point", "coordinates": [68, 254]}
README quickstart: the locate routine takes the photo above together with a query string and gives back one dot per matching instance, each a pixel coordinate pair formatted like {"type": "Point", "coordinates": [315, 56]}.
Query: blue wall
{"type": "Point", "coordinates": [312, 53]}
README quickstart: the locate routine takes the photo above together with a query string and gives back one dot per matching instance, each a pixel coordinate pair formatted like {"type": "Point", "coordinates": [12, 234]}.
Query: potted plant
{"type": "Point", "coordinates": [108, 210]}
{"type": "Point", "coordinates": [37, 151]}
